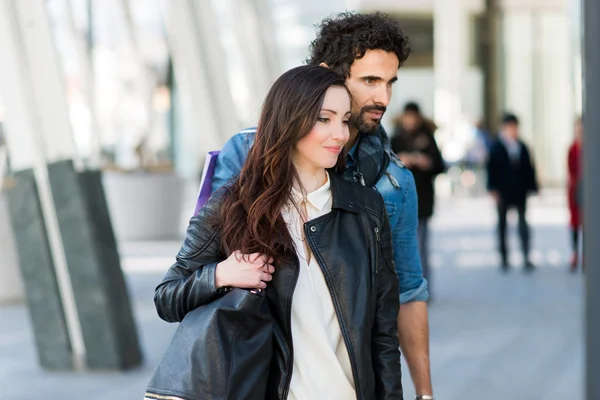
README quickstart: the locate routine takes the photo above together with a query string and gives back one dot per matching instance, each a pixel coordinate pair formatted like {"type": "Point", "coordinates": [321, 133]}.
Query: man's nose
{"type": "Point", "coordinates": [383, 95]}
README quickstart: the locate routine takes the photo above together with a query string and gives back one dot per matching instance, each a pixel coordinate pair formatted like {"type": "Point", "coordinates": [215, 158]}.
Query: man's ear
{"type": "Point", "coordinates": [324, 65]}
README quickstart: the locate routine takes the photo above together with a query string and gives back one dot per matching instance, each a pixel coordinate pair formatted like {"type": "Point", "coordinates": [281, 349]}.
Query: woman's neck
{"type": "Point", "coordinates": [310, 179]}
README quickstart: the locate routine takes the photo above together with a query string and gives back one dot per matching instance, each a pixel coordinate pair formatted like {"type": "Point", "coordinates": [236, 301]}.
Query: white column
{"type": "Point", "coordinates": [42, 69]}
{"type": "Point", "coordinates": [206, 110]}
{"type": "Point", "coordinates": [255, 52]}
{"type": "Point", "coordinates": [555, 111]}
{"type": "Point", "coordinates": [87, 71]}
{"type": "Point", "coordinates": [37, 124]}
{"type": "Point", "coordinates": [450, 61]}
{"type": "Point", "coordinates": [538, 84]}
{"type": "Point", "coordinates": [215, 62]}
{"type": "Point", "coordinates": [264, 11]}
{"type": "Point", "coordinates": [576, 45]}
{"type": "Point", "coordinates": [518, 47]}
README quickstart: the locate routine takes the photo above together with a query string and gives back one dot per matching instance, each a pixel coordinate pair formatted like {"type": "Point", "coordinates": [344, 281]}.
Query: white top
{"type": "Point", "coordinates": [322, 367]}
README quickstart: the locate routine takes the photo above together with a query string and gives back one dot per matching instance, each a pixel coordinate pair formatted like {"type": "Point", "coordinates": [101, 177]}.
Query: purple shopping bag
{"type": "Point", "coordinates": [206, 181]}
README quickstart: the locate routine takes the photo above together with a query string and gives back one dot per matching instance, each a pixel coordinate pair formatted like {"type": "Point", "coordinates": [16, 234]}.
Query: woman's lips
{"type": "Point", "coordinates": [333, 149]}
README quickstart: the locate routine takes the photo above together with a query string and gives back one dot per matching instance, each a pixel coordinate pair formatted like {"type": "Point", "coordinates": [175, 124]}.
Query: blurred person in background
{"type": "Point", "coordinates": [511, 179]}
{"type": "Point", "coordinates": [575, 190]}
{"type": "Point", "coordinates": [368, 50]}
{"type": "Point", "coordinates": [414, 143]}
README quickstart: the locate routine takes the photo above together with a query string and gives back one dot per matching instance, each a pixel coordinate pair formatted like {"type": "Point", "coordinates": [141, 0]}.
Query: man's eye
{"type": "Point", "coordinates": [323, 119]}
{"type": "Point", "coordinates": [346, 122]}
{"type": "Point", "coordinates": [369, 81]}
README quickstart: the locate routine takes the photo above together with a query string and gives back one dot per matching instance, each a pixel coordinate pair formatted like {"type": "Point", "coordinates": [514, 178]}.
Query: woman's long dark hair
{"type": "Point", "coordinates": [250, 220]}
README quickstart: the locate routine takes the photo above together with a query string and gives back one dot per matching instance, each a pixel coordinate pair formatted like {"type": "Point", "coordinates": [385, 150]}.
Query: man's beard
{"type": "Point", "coordinates": [363, 123]}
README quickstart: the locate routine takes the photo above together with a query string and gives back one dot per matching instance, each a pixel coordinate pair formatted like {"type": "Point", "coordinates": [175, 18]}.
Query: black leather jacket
{"type": "Point", "coordinates": [353, 247]}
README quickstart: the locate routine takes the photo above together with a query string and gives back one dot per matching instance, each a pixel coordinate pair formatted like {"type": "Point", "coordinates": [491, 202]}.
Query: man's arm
{"type": "Point", "coordinates": [232, 157]}
{"type": "Point", "coordinates": [413, 332]}
{"type": "Point", "coordinates": [413, 324]}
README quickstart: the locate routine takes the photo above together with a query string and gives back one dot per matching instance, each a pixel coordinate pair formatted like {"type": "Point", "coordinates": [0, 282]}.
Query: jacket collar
{"type": "Point", "coordinates": [343, 193]}
{"type": "Point", "coordinates": [369, 158]}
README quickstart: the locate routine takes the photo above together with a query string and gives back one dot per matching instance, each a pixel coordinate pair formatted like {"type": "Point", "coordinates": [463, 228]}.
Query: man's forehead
{"type": "Point", "coordinates": [376, 63]}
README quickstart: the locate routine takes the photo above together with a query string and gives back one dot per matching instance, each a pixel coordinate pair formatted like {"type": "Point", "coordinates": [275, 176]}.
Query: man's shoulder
{"type": "Point", "coordinates": [396, 173]}
{"type": "Point", "coordinates": [247, 132]}
{"type": "Point", "coordinates": [394, 185]}
{"type": "Point", "coordinates": [238, 145]}
{"type": "Point", "coordinates": [245, 136]}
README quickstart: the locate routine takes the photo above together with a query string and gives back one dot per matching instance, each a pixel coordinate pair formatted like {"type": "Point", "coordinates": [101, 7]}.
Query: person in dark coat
{"type": "Point", "coordinates": [511, 179]}
{"type": "Point", "coordinates": [414, 143]}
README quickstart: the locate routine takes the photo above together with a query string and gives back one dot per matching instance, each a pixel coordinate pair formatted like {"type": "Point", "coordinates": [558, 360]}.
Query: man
{"type": "Point", "coordinates": [368, 49]}
{"type": "Point", "coordinates": [414, 143]}
{"type": "Point", "coordinates": [511, 178]}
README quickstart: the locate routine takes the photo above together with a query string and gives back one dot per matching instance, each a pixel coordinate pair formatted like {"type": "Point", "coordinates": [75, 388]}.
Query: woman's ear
{"type": "Point", "coordinates": [324, 65]}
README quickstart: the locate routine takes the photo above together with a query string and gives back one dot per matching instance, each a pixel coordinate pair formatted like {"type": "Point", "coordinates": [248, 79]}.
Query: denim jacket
{"type": "Point", "coordinates": [397, 187]}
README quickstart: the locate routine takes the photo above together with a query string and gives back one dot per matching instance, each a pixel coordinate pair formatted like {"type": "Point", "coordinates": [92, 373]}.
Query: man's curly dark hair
{"type": "Point", "coordinates": [344, 37]}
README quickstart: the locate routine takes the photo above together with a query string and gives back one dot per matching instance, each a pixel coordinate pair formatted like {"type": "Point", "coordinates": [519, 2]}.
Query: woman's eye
{"type": "Point", "coordinates": [346, 122]}
{"type": "Point", "coordinates": [323, 119]}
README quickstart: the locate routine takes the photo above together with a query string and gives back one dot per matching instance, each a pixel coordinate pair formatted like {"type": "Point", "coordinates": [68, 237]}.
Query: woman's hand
{"type": "Point", "coordinates": [245, 271]}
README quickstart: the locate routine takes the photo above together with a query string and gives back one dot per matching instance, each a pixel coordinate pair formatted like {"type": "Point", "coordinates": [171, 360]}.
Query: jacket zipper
{"type": "Point", "coordinates": [288, 382]}
{"type": "Point", "coordinates": [336, 305]}
{"type": "Point", "coordinates": [380, 248]}
{"type": "Point", "coordinates": [377, 249]}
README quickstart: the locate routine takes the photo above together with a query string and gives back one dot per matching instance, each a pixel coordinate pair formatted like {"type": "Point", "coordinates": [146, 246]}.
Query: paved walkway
{"type": "Point", "coordinates": [493, 336]}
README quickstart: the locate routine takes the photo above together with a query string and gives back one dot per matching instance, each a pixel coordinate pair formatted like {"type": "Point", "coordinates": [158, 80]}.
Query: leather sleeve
{"type": "Point", "coordinates": [385, 344]}
{"type": "Point", "coordinates": [190, 282]}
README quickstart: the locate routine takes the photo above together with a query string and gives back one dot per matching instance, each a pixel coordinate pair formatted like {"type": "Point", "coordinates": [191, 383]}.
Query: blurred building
{"type": "Point", "coordinates": [130, 75]}
{"type": "Point", "coordinates": [474, 58]}
{"type": "Point", "coordinates": [471, 60]}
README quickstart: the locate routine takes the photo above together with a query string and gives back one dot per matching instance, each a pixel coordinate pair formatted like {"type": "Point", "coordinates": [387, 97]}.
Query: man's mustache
{"type": "Point", "coordinates": [366, 109]}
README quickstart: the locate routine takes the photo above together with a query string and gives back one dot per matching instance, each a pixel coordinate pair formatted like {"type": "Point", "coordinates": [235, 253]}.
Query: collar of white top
{"type": "Point", "coordinates": [319, 198]}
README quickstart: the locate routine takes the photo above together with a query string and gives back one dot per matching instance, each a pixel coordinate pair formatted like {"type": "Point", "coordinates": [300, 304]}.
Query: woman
{"type": "Point", "coordinates": [575, 191]}
{"type": "Point", "coordinates": [320, 246]}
